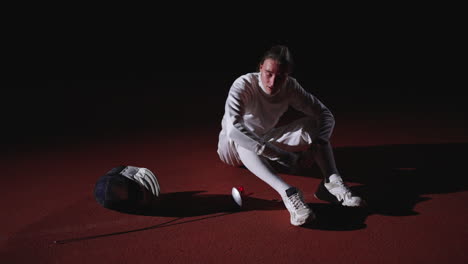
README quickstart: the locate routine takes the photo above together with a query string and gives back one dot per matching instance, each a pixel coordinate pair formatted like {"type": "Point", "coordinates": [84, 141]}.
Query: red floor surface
{"type": "Point", "coordinates": [413, 180]}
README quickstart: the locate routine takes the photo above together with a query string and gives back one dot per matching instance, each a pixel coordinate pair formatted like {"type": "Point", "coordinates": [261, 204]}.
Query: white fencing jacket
{"type": "Point", "coordinates": [250, 113]}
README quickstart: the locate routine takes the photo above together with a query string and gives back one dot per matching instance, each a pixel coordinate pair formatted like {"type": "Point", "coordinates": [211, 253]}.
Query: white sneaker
{"type": "Point", "coordinates": [336, 191]}
{"type": "Point", "coordinates": [299, 210]}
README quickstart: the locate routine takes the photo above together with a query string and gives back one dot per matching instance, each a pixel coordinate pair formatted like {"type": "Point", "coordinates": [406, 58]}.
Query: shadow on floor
{"type": "Point", "coordinates": [195, 203]}
{"type": "Point", "coordinates": [396, 177]}
{"type": "Point", "coordinates": [332, 217]}
{"type": "Point", "coordinates": [392, 179]}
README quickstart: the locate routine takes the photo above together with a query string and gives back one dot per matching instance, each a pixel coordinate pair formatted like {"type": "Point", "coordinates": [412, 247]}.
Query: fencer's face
{"type": "Point", "coordinates": [272, 76]}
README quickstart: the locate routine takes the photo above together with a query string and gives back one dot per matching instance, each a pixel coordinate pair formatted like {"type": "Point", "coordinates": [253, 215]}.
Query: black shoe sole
{"type": "Point", "coordinates": [323, 194]}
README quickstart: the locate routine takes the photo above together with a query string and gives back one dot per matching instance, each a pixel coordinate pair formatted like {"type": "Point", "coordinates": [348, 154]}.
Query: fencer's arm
{"type": "Point", "coordinates": [311, 106]}
{"type": "Point", "coordinates": [242, 135]}
{"type": "Point", "coordinates": [236, 128]}
{"type": "Point", "coordinates": [247, 139]}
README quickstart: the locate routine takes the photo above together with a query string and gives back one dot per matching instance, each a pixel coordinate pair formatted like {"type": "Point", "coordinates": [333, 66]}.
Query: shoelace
{"type": "Point", "coordinates": [296, 201]}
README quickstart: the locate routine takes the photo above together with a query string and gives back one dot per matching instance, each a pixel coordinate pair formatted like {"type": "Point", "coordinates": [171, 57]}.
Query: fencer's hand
{"type": "Point", "coordinates": [283, 157]}
{"type": "Point", "coordinates": [288, 160]}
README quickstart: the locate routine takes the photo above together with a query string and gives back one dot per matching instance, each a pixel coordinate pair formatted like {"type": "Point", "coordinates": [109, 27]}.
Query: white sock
{"type": "Point", "coordinates": [262, 169]}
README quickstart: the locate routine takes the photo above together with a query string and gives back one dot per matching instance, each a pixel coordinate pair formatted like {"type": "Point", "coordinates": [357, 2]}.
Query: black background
{"type": "Point", "coordinates": [105, 73]}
